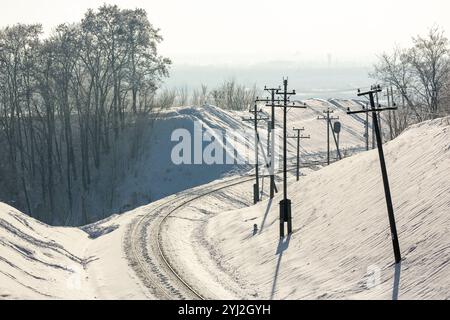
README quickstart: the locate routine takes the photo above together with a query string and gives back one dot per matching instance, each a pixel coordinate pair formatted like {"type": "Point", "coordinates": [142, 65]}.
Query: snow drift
{"type": "Point", "coordinates": [341, 246]}
{"type": "Point", "coordinates": [334, 227]}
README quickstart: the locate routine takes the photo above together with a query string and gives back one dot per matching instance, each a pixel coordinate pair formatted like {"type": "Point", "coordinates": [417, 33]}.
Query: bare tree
{"type": "Point", "coordinates": [66, 100]}
{"type": "Point", "coordinates": [233, 96]}
{"type": "Point", "coordinates": [430, 66]}
{"type": "Point", "coordinates": [183, 96]}
{"type": "Point", "coordinates": [419, 76]}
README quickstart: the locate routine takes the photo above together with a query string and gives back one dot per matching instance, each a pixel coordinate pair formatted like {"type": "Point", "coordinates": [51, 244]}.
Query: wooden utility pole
{"type": "Point", "coordinates": [367, 131]}
{"type": "Point", "coordinates": [299, 136]}
{"type": "Point", "coordinates": [377, 101]}
{"type": "Point", "coordinates": [256, 118]}
{"type": "Point", "coordinates": [285, 204]}
{"type": "Point", "coordinates": [329, 125]}
{"type": "Point", "coordinates": [389, 104]}
{"type": "Point", "coordinates": [375, 110]}
{"type": "Point", "coordinates": [366, 125]}
{"type": "Point", "coordinates": [271, 141]}
{"type": "Point", "coordinates": [394, 114]}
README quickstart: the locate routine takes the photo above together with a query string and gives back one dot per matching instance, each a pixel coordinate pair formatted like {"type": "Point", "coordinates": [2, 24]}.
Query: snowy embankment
{"type": "Point", "coordinates": [341, 246]}
{"type": "Point", "coordinates": [39, 261]}
{"type": "Point", "coordinates": [150, 175]}
{"type": "Point", "coordinates": [156, 176]}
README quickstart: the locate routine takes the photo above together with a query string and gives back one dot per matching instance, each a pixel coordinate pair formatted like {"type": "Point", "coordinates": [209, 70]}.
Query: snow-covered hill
{"type": "Point", "coordinates": [153, 175]}
{"type": "Point", "coordinates": [341, 246]}
{"type": "Point", "coordinates": [37, 261]}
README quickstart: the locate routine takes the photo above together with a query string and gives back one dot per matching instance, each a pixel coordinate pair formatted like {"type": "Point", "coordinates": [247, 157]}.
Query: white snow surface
{"type": "Point", "coordinates": [340, 248]}
{"type": "Point", "coordinates": [153, 175]}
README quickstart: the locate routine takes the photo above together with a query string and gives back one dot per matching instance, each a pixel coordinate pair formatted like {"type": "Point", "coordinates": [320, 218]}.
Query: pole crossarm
{"type": "Point", "coordinates": [272, 89]}
{"type": "Point", "coordinates": [287, 106]}
{"type": "Point", "coordinates": [299, 136]}
{"type": "Point", "coordinates": [289, 93]}
{"type": "Point", "coordinates": [373, 89]}
{"type": "Point", "coordinates": [367, 110]}
{"type": "Point", "coordinates": [257, 119]}
{"type": "Point", "coordinates": [327, 117]}
{"type": "Point", "coordinates": [267, 100]}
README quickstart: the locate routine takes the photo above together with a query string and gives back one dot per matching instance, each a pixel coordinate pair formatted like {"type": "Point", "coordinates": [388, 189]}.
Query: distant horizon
{"type": "Point", "coordinates": [213, 41]}
{"type": "Point", "coordinates": [336, 81]}
{"type": "Point", "coordinates": [236, 32]}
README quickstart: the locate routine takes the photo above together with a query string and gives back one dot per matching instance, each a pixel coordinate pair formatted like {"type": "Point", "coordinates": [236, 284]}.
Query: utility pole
{"type": "Point", "coordinates": [373, 131]}
{"type": "Point", "coordinates": [367, 131]}
{"type": "Point", "coordinates": [388, 96]}
{"type": "Point", "coordinates": [366, 124]}
{"type": "Point", "coordinates": [377, 103]}
{"type": "Point", "coordinates": [328, 119]}
{"type": "Point", "coordinates": [366, 127]}
{"type": "Point", "coordinates": [394, 115]}
{"type": "Point", "coordinates": [285, 204]}
{"type": "Point", "coordinates": [271, 102]}
{"type": "Point", "coordinates": [375, 110]}
{"type": "Point", "coordinates": [256, 118]}
{"type": "Point", "coordinates": [299, 136]}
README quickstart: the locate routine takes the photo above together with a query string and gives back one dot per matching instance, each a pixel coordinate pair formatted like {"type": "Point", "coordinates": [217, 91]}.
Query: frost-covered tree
{"type": "Point", "coordinates": [65, 102]}
{"type": "Point", "coordinates": [419, 74]}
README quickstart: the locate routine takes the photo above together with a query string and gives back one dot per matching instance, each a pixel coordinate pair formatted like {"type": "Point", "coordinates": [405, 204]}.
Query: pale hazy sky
{"type": "Point", "coordinates": [252, 31]}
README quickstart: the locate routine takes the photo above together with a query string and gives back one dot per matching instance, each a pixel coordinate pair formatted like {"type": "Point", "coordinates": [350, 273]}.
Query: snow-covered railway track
{"type": "Point", "coordinates": [147, 252]}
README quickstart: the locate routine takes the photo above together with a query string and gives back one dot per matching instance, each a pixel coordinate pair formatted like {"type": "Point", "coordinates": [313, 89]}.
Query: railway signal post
{"type": "Point", "coordinates": [336, 133]}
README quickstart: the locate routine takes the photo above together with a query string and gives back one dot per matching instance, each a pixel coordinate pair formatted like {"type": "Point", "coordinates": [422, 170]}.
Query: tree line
{"type": "Point", "coordinates": [230, 95]}
{"type": "Point", "coordinates": [65, 101]}
{"type": "Point", "coordinates": [420, 79]}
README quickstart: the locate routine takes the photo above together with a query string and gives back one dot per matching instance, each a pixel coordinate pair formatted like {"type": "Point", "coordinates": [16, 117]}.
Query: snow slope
{"type": "Point", "coordinates": [341, 246]}
{"type": "Point", "coordinates": [38, 261]}
{"type": "Point", "coordinates": [153, 176]}
{"type": "Point", "coordinates": [156, 176]}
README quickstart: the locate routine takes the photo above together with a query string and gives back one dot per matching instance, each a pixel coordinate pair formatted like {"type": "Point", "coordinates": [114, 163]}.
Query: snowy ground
{"type": "Point", "coordinates": [341, 245]}
{"type": "Point", "coordinates": [340, 248]}
{"type": "Point", "coordinates": [153, 176]}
